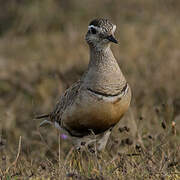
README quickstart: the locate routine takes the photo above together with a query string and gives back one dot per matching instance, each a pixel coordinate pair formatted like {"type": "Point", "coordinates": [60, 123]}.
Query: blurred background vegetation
{"type": "Point", "coordinates": [43, 51]}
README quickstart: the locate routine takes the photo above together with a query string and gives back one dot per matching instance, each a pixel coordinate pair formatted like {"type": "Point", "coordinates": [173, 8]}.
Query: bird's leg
{"type": "Point", "coordinates": [91, 142]}
{"type": "Point", "coordinates": [103, 141]}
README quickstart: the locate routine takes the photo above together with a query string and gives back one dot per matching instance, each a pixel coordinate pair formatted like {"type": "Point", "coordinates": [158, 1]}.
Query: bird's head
{"type": "Point", "coordinates": [100, 33]}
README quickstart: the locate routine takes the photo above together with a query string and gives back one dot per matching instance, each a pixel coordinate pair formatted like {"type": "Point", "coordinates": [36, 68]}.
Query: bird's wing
{"type": "Point", "coordinates": [65, 100]}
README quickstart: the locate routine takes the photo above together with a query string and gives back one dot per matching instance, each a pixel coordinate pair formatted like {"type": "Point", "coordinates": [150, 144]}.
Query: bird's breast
{"type": "Point", "coordinates": [96, 112]}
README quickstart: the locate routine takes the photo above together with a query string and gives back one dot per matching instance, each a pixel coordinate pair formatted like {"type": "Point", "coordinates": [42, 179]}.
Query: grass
{"type": "Point", "coordinates": [42, 52]}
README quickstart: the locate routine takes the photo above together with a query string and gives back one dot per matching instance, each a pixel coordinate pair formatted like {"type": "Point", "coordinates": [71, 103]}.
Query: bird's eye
{"type": "Point", "coordinates": [93, 30]}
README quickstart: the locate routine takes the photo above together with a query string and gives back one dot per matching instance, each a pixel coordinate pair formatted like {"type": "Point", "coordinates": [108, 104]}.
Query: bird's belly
{"type": "Point", "coordinates": [89, 112]}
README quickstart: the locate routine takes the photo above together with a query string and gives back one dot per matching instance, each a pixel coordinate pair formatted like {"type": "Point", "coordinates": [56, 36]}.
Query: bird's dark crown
{"type": "Point", "coordinates": [103, 23]}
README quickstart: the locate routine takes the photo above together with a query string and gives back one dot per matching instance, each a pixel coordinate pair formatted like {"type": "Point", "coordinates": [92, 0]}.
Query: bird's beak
{"type": "Point", "coordinates": [112, 39]}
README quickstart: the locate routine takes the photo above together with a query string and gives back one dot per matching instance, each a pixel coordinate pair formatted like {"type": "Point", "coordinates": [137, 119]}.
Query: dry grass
{"type": "Point", "coordinates": [42, 52]}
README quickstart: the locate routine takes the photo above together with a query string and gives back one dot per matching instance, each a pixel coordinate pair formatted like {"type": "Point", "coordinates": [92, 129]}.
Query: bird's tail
{"type": "Point", "coordinates": [42, 116]}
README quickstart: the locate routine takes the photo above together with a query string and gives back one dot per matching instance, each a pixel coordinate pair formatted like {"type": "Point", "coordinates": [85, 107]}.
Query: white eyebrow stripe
{"type": "Point", "coordinates": [114, 28]}
{"type": "Point", "coordinates": [95, 27]}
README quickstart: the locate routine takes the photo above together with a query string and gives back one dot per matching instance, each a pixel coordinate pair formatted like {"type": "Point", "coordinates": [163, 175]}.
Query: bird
{"type": "Point", "coordinates": [92, 106]}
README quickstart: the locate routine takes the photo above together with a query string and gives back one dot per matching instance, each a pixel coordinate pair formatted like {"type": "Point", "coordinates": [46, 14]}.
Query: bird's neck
{"type": "Point", "coordinates": [102, 58]}
{"type": "Point", "coordinates": [103, 72]}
